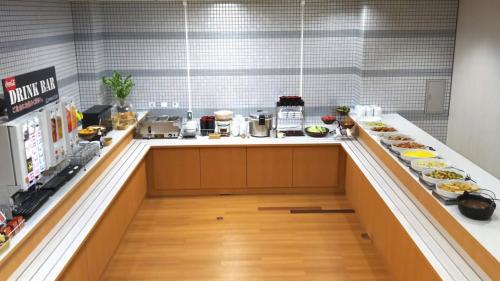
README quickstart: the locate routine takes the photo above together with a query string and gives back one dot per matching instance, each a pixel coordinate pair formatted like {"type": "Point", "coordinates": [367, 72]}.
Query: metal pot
{"type": "Point", "coordinates": [260, 124]}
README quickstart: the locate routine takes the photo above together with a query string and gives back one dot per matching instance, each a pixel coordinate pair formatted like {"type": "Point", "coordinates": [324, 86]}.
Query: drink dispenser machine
{"type": "Point", "coordinates": [22, 154]}
{"type": "Point", "coordinates": [52, 126]}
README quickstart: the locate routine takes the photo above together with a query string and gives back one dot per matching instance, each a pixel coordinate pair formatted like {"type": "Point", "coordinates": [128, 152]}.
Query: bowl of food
{"type": "Point", "coordinates": [100, 129]}
{"type": "Point", "coordinates": [382, 130]}
{"type": "Point", "coordinates": [343, 110]}
{"type": "Point", "coordinates": [107, 141]}
{"type": "Point", "coordinates": [87, 134]}
{"type": "Point", "coordinates": [434, 176]}
{"type": "Point", "coordinates": [347, 123]}
{"type": "Point", "coordinates": [475, 206]}
{"type": "Point", "coordinates": [400, 146]}
{"type": "Point", "coordinates": [454, 188]}
{"type": "Point", "coordinates": [328, 119]}
{"type": "Point", "coordinates": [392, 138]}
{"type": "Point", "coordinates": [316, 131]}
{"type": "Point", "coordinates": [412, 154]}
{"type": "Point", "coordinates": [432, 163]}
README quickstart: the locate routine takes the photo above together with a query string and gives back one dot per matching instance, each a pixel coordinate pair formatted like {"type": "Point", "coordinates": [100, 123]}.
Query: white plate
{"type": "Point", "coordinates": [416, 167]}
{"type": "Point", "coordinates": [449, 194]}
{"type": "Point", "coordinates": [431, 180]}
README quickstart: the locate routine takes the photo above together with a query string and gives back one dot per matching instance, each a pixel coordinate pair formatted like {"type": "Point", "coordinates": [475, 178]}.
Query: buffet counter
{"type": "Point", "coordinates": [77, 245]}
{"type": "Point", "coordinates": [42, 222]}
{"type": "Point", "coordinates": [478, 238]}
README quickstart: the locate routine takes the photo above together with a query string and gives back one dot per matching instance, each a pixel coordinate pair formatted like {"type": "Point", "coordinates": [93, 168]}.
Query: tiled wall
{"type": "Point", "coordinates": [405, 44]}
{"type": "Point", "coordinates": [36, 35]}
{"type": "Point", "coordinates": [243, 54]}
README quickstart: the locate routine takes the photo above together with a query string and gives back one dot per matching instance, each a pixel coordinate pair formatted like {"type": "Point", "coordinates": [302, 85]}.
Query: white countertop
{"type": "Point", "coordinates": [487, 233]}
{"type": "Point", "coordinates": [238, 141]}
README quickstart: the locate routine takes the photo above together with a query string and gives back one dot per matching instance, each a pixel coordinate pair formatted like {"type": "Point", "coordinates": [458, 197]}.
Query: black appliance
{"type": "Point", "coordinates": [98, 115]}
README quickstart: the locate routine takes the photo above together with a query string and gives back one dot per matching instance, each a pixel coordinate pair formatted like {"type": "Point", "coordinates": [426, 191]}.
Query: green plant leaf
{"type": "Point", "coordinates": [120, 86]}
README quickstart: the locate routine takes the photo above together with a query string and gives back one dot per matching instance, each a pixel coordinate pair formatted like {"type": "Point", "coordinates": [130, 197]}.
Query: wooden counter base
{"type": "Point", "coordinates": [18, 254]}
{"type": "Point", "coordinates": [188, 171]}
{"type": "Point", "coordinates": [402, 257]}
{"type": "Point", "coordinates": [480, 255]}
{"type": "Point", "coordinates": [92, 258]}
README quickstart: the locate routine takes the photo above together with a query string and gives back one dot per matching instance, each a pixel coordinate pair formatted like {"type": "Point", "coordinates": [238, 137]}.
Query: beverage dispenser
{"type": "Point", "coordinates": [22, 154]}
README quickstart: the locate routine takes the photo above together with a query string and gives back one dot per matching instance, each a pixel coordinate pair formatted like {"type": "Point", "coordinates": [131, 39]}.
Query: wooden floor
{"type": "Point", "coordinates": [229, 238]}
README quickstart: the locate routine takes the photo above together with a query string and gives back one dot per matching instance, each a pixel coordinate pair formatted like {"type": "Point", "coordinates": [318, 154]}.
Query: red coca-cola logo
{"type": "Point", "coordinates": [10, 83]}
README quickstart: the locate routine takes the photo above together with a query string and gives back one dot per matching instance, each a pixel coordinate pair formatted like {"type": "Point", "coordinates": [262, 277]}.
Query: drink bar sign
{"type": "Point", "coordinates": [27, 92]}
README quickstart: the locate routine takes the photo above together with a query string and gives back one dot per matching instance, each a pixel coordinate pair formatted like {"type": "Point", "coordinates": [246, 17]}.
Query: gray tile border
{"type": "Point", "coordinates": [32, 43]}
{"type": "Point", "coordinates": [67, 81]}
{"type": "Point", "coordinates": [272, 72]}
{"type": "Point", "coordinates": [406, 72]}
{"type": "Point", "coordinates": [408, 33]}
{"type": "Point", "coordinates": [311, 33]}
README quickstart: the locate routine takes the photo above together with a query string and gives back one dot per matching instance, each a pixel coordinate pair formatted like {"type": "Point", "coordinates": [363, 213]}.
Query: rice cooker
{"type": "Point", "coordinates": [261, 124]}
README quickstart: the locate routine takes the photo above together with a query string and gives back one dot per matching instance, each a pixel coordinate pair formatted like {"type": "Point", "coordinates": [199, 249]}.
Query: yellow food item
{"type": "Point", "coordinates": [458, 187]}
{"type": "Point", "coordinates": [86, 131]}
{"type": "Point", "coordinates": [419, 153]}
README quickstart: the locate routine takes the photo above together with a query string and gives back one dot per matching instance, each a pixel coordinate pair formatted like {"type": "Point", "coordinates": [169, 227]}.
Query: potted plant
{"type": "Point", "coordinates": [123, 115]}
{"type": "Point", "coordinates": [121, 87]}
{"type": "Point", "coordinates": [343, 110]}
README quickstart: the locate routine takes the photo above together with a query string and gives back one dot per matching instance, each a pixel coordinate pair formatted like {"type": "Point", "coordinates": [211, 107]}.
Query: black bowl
{"type": "Point", "coordinates": [317, 135]}
{"type": "Point", "coordinates": [476, 207]}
